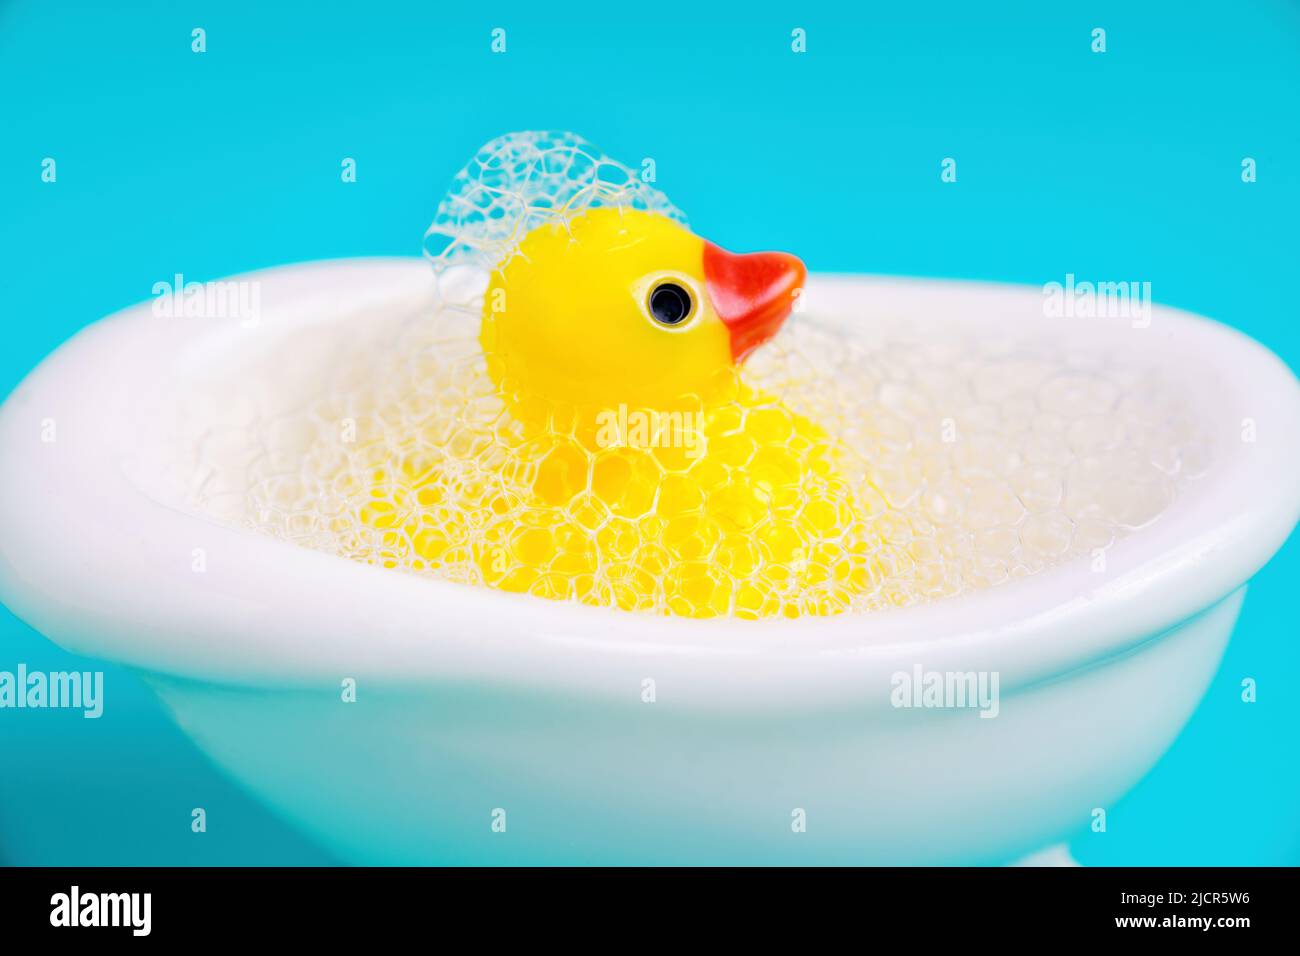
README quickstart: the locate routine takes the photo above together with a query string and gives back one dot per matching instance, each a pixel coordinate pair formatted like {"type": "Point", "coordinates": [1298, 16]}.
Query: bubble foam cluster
{"type": "Point", "coordinates": [964, 464]}
{"type": "Point", "coordinates": [848, 471]}
{"type": "Point", "coordinates": [515, 184]}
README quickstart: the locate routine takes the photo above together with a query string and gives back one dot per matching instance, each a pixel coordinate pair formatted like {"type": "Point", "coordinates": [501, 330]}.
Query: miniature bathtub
{"type": "Point", "coordinates": [498, 728]}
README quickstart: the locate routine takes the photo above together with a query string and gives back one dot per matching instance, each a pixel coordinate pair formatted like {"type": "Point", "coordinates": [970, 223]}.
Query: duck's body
{"type": "Point", "coordinates": [630, 465]}
{"type": "Point", "coordinates": [756, 525]}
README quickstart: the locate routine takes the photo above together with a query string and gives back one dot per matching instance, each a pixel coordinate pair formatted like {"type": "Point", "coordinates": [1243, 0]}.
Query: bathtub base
{"type": "Point", "coordinates": [1056, 855]}
{"type": "Point", "coordinates": [493, 775]}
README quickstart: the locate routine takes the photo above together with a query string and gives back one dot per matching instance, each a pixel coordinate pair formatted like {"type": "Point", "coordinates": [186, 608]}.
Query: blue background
{"type": "Point", "coordinates": [1122, 165]}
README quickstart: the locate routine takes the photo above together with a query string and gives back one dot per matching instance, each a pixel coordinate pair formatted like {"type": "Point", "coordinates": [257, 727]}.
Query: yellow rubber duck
{"type": "Point", "coordinates": [632, 465]}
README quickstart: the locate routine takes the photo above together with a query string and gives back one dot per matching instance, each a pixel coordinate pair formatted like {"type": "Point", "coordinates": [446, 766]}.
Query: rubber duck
{"type": "Point", "coordinates": [632, 465]}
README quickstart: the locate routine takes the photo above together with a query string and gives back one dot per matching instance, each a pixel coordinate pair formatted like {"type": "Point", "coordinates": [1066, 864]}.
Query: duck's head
{"type": "Point", "coordinates": [624, 306]}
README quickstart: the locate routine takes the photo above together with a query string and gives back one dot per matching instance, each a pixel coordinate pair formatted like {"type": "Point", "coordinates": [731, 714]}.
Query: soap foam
{"type": "Point", "coordinates": [968, 460]}
{"type": "Point", "coordinates": [969, 463]}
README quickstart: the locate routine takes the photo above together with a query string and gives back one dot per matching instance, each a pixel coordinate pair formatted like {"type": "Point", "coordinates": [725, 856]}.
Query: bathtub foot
{"type": "Point", "coordinates": [1055, 855]}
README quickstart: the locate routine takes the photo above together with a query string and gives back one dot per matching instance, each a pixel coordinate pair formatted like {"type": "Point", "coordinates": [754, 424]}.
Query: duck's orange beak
{"type": "Point", "coordinates": [752, 294]}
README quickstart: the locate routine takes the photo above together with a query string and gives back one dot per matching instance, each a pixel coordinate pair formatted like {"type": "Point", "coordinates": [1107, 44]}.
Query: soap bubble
{"type": "Point", "coordinates": [887, 463]}
{"type": "Point", "coordinates": [513, 185]}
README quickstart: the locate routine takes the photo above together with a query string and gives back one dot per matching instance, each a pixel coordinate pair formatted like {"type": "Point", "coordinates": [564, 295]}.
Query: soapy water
{"type": "Point", "coordinates": [858, 471]}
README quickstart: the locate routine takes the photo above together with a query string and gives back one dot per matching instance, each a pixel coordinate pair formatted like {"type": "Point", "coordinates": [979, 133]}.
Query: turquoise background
{"type": "Point", "coordinates": [1122, 165]}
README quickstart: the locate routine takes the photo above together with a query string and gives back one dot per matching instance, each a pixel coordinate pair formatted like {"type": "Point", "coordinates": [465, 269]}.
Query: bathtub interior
{"type": "Point", "coordinates": [972, 453]}
{"type": "Point", "coordinates": [243, 404]}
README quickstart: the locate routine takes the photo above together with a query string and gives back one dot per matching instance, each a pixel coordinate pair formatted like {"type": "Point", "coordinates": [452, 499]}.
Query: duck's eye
{"type": "Point", "coordinates": [670, 304]}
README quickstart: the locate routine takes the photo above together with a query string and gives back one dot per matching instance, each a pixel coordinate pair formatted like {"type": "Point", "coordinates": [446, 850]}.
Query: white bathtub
{"type": "Point", "coordinates": [471, 702]}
